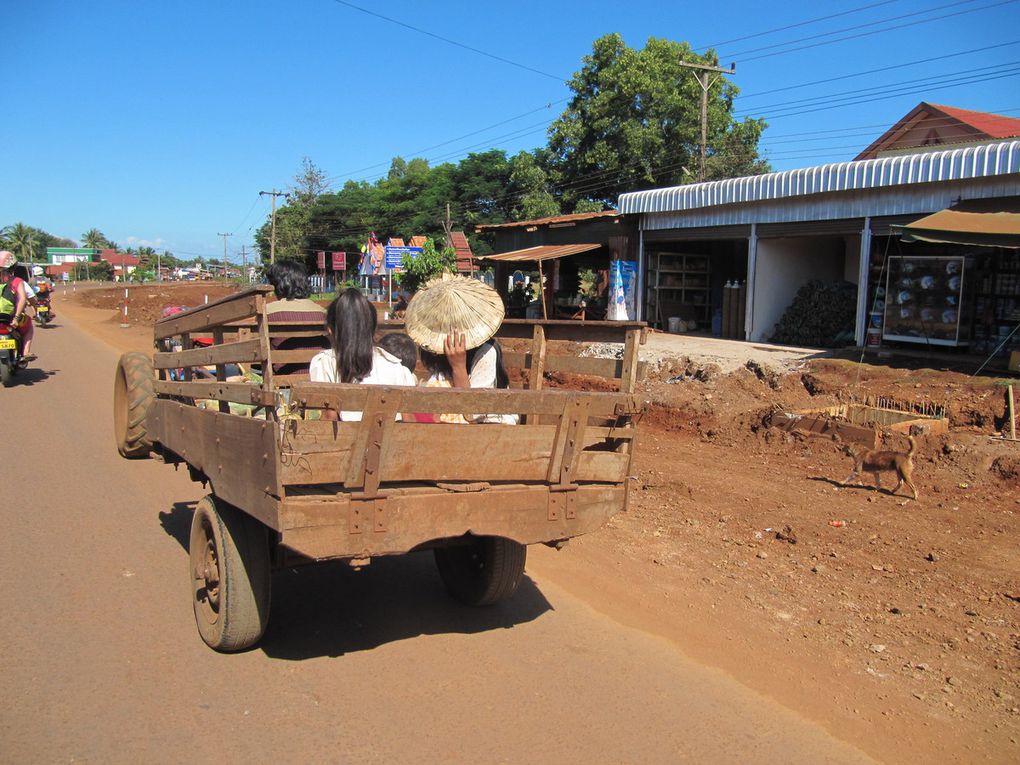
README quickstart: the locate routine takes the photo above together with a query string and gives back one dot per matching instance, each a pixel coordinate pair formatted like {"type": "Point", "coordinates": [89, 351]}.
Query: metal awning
{"type": "Point", "coordinates": [982, 222]}
{"type": "Point", "coordinates": [540, 253]}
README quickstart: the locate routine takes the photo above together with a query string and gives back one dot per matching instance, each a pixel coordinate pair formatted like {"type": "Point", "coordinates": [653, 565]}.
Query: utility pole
{"type": "Point", "coordinates": [703, 76]}
{"type": "Point", "coordinates": [224, 254]}
{"type": "Point", "coordinates": [159, 273]}
{"type": "Point", "coordinates": [272, 236]}
{"type": "Point", "coordinates": [244, 265]}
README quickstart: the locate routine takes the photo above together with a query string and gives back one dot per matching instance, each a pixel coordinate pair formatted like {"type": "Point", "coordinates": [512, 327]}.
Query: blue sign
{"type": "Point", "coordinates": [395, 256]}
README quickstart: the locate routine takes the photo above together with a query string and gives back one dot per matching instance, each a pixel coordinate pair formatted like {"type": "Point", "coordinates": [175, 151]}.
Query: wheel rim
{"type": "Point", "coordinates": [206, 575]}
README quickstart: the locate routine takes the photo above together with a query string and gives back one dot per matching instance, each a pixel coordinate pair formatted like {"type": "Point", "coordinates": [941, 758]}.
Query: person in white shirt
{"type": "Point", "coordinates": [353, 357]}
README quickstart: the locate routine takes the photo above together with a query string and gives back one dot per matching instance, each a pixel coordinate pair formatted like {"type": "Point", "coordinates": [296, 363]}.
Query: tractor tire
{"type": "Point", "coordinates": [133, 395]}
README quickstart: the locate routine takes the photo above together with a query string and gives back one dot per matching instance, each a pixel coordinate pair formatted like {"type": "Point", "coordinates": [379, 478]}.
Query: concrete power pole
{"type": "Point", "coordinates": [224, 254]}
{"type": "Point", "coordinates": [703, 76]}
{"type": "Point", "coordinates": [272, 236]}
{"type": "Point", "coordinates": [244, 265]}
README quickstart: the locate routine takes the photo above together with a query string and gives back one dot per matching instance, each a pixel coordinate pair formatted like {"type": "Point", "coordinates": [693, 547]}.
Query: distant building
{"type": "Point", "coordinates": [930, 126]}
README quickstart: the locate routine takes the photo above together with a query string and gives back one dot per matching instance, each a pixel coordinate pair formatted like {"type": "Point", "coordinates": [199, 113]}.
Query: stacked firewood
{"type": "Point", "coordinates": [821, 316]}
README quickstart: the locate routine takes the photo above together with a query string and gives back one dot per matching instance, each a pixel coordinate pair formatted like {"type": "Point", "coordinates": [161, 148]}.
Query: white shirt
{"type": "Point", "coordinates": [386, 370]}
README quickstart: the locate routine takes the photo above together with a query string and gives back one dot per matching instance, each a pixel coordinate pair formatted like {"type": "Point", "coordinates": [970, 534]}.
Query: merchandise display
{"type": "Point", "coordinates": [926, 293]}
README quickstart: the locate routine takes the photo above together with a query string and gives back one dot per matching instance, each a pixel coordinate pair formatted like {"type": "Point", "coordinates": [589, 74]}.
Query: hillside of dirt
{"type": "Point", "coordinates": [892, 618]}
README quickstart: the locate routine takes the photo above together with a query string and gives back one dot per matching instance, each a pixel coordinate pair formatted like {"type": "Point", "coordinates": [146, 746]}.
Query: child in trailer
{"type": "Point", "coordinates": [353, 356]}
{"type": "Point", "coordinates": [453, 321]}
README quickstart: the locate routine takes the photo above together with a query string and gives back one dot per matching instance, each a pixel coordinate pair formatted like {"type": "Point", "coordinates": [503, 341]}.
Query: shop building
{"type": "Point", "coordinates": [773, 233]}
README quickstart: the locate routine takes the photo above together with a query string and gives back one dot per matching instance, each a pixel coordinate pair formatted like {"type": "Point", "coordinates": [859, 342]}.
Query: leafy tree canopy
{"type": "Point", "coordinates": [635, 122]}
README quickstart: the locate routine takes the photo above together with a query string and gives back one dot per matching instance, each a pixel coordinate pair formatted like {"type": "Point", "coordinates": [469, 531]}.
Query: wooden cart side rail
{"type": "Point", "coordinates": [476, 400]}
{"type": "Point", "coordinates": [446, 452]}
{"type": "Point", "coordinates": [238, 455]}
{"type": "Point", "coordinates": [204, 318]}
{"type": "Point", "coordinates": [580, 365]}
{"type": "Point", "coordinates": [578, 331]}
{"type": "Point", "coordinates": [244, 351]}
{"type": "Point", "coordinates": [239, 393]}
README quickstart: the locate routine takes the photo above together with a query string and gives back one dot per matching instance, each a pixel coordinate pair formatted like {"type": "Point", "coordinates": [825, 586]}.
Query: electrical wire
{"type": "Point", "coordinates": [877, 31]}
{"type": "Point", "coordinates": [448, 41]}
{"type": "Point", "coordinates": [798, 24]}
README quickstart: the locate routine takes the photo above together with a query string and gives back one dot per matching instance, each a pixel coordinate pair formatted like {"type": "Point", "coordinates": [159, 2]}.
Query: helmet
{"type": "Point", "coordinates": [37, 271]}
{"type": "Point", "coordinates": [7, 259]}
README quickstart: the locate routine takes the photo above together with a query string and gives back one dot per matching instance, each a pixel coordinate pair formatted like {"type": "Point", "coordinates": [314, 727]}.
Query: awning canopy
{"type": "Point", "coordinates": [540, 253]}
{"type": "Point", "coordinates": [982, 222]}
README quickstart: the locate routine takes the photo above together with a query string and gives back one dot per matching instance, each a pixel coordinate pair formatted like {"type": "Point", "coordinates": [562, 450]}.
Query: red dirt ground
{"type": "Point", "coordinates": [912, 608]}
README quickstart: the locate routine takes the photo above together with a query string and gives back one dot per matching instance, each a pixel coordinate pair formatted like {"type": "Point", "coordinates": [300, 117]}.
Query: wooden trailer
{"type": "Point", "coordinates": [288, 488]}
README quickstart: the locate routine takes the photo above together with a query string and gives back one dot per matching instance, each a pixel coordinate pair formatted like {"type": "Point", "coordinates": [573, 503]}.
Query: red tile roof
{"type": "Point", "coordinates": [459, 242]}
{"type": "Point", "coordinates": [993, 125]}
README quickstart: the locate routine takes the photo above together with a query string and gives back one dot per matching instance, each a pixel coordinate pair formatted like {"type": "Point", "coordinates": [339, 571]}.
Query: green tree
{"type": "Point", "coordinates": [22, 241]}
{"type": "Point", "coordinates": [94, 239]}
{"type": "Point", "coordinates": [634, 122]}
{"type": "Point", "coordinates": [310, 183]}
{"type": "Point", "coordinates": [427, 265]}
{"type": "Point", "coordinates": [529, 184]}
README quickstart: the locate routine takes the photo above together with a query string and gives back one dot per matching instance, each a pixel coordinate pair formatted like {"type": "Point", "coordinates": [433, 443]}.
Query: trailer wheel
{"type": "Point", "coordinates": [133, 395]}
{"type": "Point", "coordinates": [483, 572]}
{"type": "Point", "coordinates": [230, 575]}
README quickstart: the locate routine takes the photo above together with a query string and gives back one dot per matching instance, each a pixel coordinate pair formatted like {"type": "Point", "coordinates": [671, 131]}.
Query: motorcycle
{"type": "Point", "coordinates": [43, 310]}
{"type": "Point", "coordinates": [10, 350]}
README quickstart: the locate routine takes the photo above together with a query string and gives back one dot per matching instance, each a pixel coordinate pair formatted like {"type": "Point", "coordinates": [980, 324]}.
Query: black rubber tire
{"type": "Point", "coordinates": [230, 575]}
{"type": "Point", "coordinates": [6, 375]}
{"type": "Point", "coordinates": [133, 395]}
{"type": "Point", "coordinates": [484, 571]}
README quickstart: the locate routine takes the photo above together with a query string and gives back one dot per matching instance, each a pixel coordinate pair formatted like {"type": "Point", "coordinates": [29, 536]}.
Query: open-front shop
{"type": "Point", "coordinates": [778, 234]}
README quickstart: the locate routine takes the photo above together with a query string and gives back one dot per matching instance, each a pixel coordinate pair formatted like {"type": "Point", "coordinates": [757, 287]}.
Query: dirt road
{"type": "Point", "coordinates": [101, 662]}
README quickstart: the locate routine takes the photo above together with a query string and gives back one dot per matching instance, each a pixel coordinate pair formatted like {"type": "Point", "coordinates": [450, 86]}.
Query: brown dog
{"type": "Point", "coordinates": [878, 462]}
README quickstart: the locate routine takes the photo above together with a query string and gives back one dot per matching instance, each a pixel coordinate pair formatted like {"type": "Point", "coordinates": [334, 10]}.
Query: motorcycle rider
{"type": "Point", "coordinates": [14, 300]}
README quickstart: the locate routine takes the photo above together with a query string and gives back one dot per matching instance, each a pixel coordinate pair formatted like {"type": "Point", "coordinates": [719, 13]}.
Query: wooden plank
{"type": "Point", "coordinates": [204, 318]}
{"type": "Point", "coordinates": [602, 467]}
{"type": "Point", "coordinates": [283, 381]}
{"type": "Point", "coordinates": [537, 360]}
{"type": "Point", "coordinates": [609, 369]}
{"type": "Point", "coordinates": [245, 351]}
{"type": "Point", "coordinates": [440, 400]}
{"type": "Point", "coordinates": [294, 355]}
{"type": "Point", "coordinates": [555, 329]}
{"type": "Point", "coordinates": [436, 452]}
{"type": "Point", "coordinates": [240, 393]}
{"type": "Point", "coordinates": [629, 374]}
{"type": "Point", "coordinates": [237, 454]}
{"type": "Point", "coordinates": [319, 528]}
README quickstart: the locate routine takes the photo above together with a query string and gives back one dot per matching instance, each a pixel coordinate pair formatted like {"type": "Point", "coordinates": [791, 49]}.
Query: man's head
{"type": "Point", "coordinates": [289, 280]}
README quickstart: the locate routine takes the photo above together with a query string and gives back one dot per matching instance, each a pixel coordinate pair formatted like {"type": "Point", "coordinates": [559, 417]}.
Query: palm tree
{"type": "Point", "coordinates": [94, 239]}
{"type": "Point", "coordinates": [22, 241]}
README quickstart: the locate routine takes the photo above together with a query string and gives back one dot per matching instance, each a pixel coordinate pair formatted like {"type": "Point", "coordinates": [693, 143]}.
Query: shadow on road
{"type": "Point", "coordinates": [33, 375]}
{"type": "Point", "coordinates": [328, 609]}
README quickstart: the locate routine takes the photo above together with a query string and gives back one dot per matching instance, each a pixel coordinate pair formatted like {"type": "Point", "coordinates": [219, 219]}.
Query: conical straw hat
{"type": "Point", "coordinates": [453, 304]}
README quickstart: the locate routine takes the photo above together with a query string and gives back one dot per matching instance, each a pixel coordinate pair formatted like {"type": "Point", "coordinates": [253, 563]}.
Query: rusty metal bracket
{"type": "Point", "coordinates": [569, 444]}
{"type": "Point", "coordinates": [367, 513]}
{"type": "Point", "coordinates": [562, 505]}
{"type": "Point", "coordinates": [379, 415]}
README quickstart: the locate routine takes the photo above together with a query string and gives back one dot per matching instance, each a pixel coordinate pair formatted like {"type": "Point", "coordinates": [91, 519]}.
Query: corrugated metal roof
{"type": "Point", "coordinates": [572, 218]}
{"type": "Point", "coordinates": [931, 167]}
{"type": "Point", "coordinates": [542, 252]}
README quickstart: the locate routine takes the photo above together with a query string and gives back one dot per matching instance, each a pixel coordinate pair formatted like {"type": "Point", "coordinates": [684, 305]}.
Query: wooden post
{"type": "Point", "coordinates": [538, 348]}
{"type": "Point", "coordinates": [628, 376]}
{"type": "Point", "coordinates": [1012, 413]}
{"type": "Point", "coordinates": [541, 289]}
{"type": "Point", "coordinates": [221, 369]}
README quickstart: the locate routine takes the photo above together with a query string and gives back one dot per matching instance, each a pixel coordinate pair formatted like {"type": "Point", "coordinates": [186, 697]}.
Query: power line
{"type": "Point", "coordinates": [873, 32]}
{"type": "Point", "coordinates": [448, 41]}
{"type": "Point", "coordinates": [798, 24]}
{"type": "Point", "coordinates": [983, 49]}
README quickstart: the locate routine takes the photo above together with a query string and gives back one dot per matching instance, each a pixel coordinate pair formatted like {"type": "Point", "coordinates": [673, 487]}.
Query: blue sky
{"type": "Point", "coordinates": [159, 123]}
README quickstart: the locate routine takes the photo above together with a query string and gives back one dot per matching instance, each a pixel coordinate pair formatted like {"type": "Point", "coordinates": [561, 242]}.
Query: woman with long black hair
{"type": "Point", "coordinates": [353, 356]}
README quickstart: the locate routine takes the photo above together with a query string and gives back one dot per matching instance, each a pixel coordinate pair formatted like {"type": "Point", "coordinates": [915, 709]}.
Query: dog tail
{"type": "Point", "coordinates": [913, 446]}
